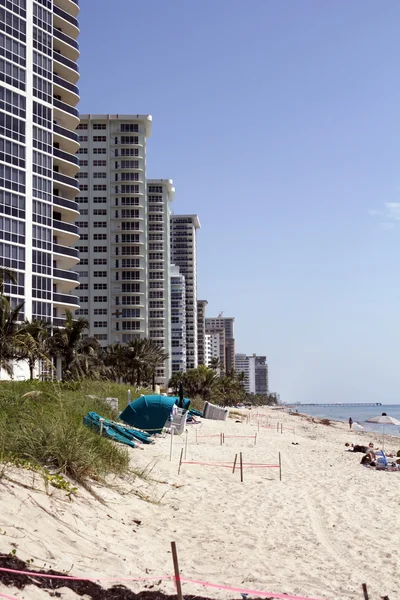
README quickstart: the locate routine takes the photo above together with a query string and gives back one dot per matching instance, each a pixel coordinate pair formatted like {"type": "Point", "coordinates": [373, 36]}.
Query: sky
{"type": "Point", "coordinates": [278, 121]}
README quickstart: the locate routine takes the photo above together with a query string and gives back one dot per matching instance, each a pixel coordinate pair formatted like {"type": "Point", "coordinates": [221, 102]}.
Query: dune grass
{"type": "Point", "coordinates": [42, 422]}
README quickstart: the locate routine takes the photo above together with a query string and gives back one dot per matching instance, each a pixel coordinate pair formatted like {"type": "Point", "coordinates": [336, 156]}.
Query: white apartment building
{"type": "Point", "coordinates": [113, 268]}
{"type": "Point", "coordinates": [160, 194]}
{"type": "Point", "coordinates": [256, 369]}
{"type": "Point", "coordinates": [224, 325]}
{"type": "Point", "coordinates": [212, 348]}
{"type": "Point", "coordinates": [38, 96]}
{"type": "Point", "coordinates": [201, 330]}
{"type": "Point", "coordinates": [242, 366]}
{"type": "Point", "coordinates": [184, 255]}
{"type": "Point", "coordinates": [178, 321]}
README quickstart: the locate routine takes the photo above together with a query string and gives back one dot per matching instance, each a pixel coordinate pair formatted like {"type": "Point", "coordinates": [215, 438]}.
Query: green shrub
{"type": "Point", "coordinates": [42, 422]}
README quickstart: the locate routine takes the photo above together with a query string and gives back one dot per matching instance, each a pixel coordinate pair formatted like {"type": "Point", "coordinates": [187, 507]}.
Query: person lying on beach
{"type": "Point", "coordinates": [356, 448]}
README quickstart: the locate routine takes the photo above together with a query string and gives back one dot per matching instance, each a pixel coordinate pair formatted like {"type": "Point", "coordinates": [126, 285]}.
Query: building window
{"type": "Point", "coordinates": [99, 175]}
{"type": "Point", "coordinates": [82, 175]}
{"type": "Point", "coordinates": [84, 261]}
{"type": "Point", "coordinates": [100, 224]}
{"type": "Point", "coordinates": [83, 138]}
{"type": "Point", "coordinates": [99, 150]}
{"type": "Point", "coordinates": [99, 261]}
{"type": "Point", "coordinates": [100, 298]}
{"type": "Point", "coordinates": [100, 211]}
{"type": "Point", "coordinates": [82, 248]}
{"type": "Point", "coordinates": [100, 187]}
{"type": "Point", "coordinates": [82, 150]}
{"type": "Point", "coordinates": [98, 324]}
{"type": "Point", "coordinates": [99, 126]}
{"type": "Point", "coordinates": [83, 163]}
{"type": "Point", "coordinates": [100, 274]}
{"type": "Point", "coordinates": [82, 126]}
{"type": "Point", "coordinates": [99, 138]}
{"type": "Point", "coordinates": [83, 299]}
{"type": "Point", "coordinates": [99, 236]}
{"type": "Point", "coordinates": [100, 249]}
{"type": "Point", "coordinates": [100, 311]}
{"type": "Point", "coordinates": [81, 224]}
{"type": "Point", "coordinates": [99, 199]}
{"type": "Point", "coordinates": [100, 163]}
{"type": "Point", "coordinates": [100, 337]}
{"type": "Point", "coordinates": [129, 127]}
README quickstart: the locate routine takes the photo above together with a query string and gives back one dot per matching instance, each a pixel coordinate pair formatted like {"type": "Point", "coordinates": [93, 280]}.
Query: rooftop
{"type": "Point", "coordinates": [193, 218]}
{"type": "Point", "coordinates": [146, 119]}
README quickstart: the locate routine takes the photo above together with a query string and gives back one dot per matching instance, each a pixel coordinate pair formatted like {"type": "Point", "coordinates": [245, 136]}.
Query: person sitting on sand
{"type": "Point", "coordinates": [368, 460]}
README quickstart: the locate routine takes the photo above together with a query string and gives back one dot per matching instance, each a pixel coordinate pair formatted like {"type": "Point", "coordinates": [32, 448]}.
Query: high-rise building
{"type": "Point", "coordinates": [38, 96]}
{"type": "Point", "coordinates": [212, 350]}
{"type": "Point", "coordinates": [256, 370]}
{"type": "Point", "coordinates": [178, 321]}
{"type": "Point", "coordinates": [242, 366]}
{"type": "Point", "coordinates": [201, 330]}
{"type": "Point", "coordinates": [160, 194]}
{"type": "Point", "coordinates": [184, 255]}
{"type": "Point", "coordinates": [226, 325]}
{"type": "Point", "coordinates": [113, 269]}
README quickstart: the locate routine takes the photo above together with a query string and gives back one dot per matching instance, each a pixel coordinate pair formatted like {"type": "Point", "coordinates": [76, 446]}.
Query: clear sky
{"type": "Point", "coordinates": [278, 121]}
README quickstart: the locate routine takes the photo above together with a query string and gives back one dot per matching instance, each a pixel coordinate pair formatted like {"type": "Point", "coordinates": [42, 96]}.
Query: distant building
{"type": "Point", "coordinates": [178, 321]}
{"type": "Point", "coordinates": [224, 326]}
{"type": "Point", "coordinates": [256, 370]}
{"type": "Point", "coordinates": [242, 366]}
{"type": "Point", "coordinates": [212, 348]}
{"type": "Point", "coordinates": [201, 330]}
{"type": "Point", "coordinates": [184, 255]}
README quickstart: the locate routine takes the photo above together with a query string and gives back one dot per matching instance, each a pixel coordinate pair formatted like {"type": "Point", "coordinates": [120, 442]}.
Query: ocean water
{"type": "Point", "coordinates": [357, 413]}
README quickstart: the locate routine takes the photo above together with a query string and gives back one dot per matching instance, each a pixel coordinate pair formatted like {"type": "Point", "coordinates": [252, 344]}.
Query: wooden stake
{"type": "Point", "coordinates": [172, 438]}
{"type": "Point", "coordinates": [241, 467]}
{"type": "Point", "coordinates": [258, 426]}
{"type": "Point", "coordinates": [234, 464]}
{"type": "Point", "coordinates": [281, 427]}
{"type": "Point", "coordinates": [223, 438]}
{"type": "Point", "coordinates": [280, 467]}
{"type": "Point", "coordinates": [196, 436]}
{"type": "Point", "coordinates": [186, 444]}
{"type": "Point", "coordinates": [220, 438]}
{"type": "Point", "coordinates": [255, 439]}
{"type": "Point", "coordinates": [277, 427]}
{"type": "Point", "coordinates": [365, 591]}
{"type": "Point", "coordinates": [180, 462]}
{"type": "Point", "coordinates": [176, 570]}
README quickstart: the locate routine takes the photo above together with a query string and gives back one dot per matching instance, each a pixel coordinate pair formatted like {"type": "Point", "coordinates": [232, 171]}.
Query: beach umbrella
{"type": "Point", "coordinates": [383, 420]}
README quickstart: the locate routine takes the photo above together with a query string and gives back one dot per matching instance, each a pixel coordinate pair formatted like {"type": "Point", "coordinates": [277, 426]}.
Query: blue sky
{"type": "Point", "coordinates": [278, 121]}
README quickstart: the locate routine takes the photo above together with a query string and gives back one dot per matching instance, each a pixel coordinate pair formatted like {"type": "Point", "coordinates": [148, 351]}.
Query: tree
{"type": "Point", "coordinates": [35, 343]}
{"type": "Point", "coordinates": [79, 352]}
{"type": "Point", "coordinates": [11, 334]}
{"type": "Point", "coordinates": [215, 364]}
{"type": "Point", "coordinates": [6, 275]}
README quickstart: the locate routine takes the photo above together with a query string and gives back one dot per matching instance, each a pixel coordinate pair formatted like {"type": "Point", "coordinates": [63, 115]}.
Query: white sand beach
{"type": "Point", "coordinates": [327, 527]}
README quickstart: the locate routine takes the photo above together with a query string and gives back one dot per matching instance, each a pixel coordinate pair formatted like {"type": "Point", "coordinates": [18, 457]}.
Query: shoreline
{"type": "Point", "coordinates": [305, 535]}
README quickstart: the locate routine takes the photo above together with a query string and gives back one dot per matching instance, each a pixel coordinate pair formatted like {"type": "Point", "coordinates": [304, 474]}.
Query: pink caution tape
{"type": "Point", "coordinates": [246, 591]}
{"type": "Point", "coordinates": [8, 597]}
{"type": "Point", "coordinates": [207, 464]}
{"type": "Point", "coordinates": [240, 436]}
{"type": "Point", "coordinates": [69, 578]}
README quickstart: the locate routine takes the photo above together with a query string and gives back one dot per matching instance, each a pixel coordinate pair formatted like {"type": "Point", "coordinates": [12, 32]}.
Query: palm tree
{"type": "Point", "coordinates": [215, 364]}
{"type": "Point", "coordinates": [35, 343]}
{"type": "Point", "coordinates": [156, 356]}
{"type": "Point", "coordinates": [6, 275]}
{"type": "Point", "coordinates": [79, 353]}
{"type": "Point", "coordinates": [11, 334]}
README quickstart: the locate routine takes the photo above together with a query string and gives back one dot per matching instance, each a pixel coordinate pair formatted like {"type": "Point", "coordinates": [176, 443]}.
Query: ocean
{"type": "Point", "coordinates": [359, 414]}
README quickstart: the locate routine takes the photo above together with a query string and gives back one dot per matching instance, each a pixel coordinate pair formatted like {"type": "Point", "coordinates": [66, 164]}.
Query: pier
{"type": "Point", "coordinates": [339, 404]}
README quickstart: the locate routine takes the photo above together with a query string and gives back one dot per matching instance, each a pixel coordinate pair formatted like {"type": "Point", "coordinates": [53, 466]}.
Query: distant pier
{"type": "Point", "coordinates": [340, 404]}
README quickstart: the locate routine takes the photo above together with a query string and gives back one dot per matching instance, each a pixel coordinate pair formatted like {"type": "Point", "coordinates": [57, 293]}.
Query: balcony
{"type": "Point", "coordinates": [65, 114]}
{"type": "Point", "coordinates": [67, 90]}
{"type": "Point", "coordinates": [65, 22]}
{"type": "Point", "coordinates": [65, 299]}
{"type": "Point", "coordinates": [69, 6]}
{"type": "Point", "coordinates": [70, 205]}
{"type": "Point", "coordinates": [65, 162]}
{"type": "Point", "coordinates": [67, 140]}
{"type": "Point", "coordinates": [66, 257]}
{"type": "Point", "coordinates": [64, 274]}
{"type": "Point", "coordinates": [66, 180]}
{"type": "Point", "coordinates": [68, 227]}
{"type": "Point", "coordinates": [65, 67]}
{"type": "Point", "coordinates": [66, 44]}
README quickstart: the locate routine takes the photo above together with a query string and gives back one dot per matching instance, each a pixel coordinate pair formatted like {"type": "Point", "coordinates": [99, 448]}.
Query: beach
{"type": "Point", "coordinates": [327, 527]}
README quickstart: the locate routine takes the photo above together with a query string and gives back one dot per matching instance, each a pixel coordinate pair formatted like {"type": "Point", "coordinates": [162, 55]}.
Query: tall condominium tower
{"type": "Point", "coordinates": [178, 320]}
{"type": "Point", "coordinates": [160, 194]}
{"type": "Point", "coordinates": [256, 370]}
{"type": "Point", "coordinates": [38, 95]}
{"type": "Point", "coordinates": [226, 325]}
{"type": "Point", "coordinates": [113, 269]}
{"type": "Point", "coordinates": [183, 254]}
{"type": "Point", "coordinates": [201, 330]}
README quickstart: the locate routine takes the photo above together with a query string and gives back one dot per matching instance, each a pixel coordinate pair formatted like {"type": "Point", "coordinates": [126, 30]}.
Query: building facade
{"type": "Point", "coordinates": [38, 117]}
{"type": "Point", "coordinates": [178, 321]}
{"type": "Point", "coordinates": [201, 330]}
{"type": "Point", "coordinates": [184, 255]}
{"type": "Point", "coordinates": [160, 194]}
{"type": "Point", "coordinates": [212, 349]}
{"type": "Point", "coordinates": [113, 269]}
{"type": "Point", "coordinates": [242, 366]}
{"type": "Point", "coordinates": [224, 326]}
{"type": "Point", "coordinates": [256, 370]}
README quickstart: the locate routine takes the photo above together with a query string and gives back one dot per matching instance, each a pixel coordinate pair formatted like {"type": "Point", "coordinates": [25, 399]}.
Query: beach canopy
{"type": "Point", "coordinates": [150, 413]}
{"type": "Point", "coordinates": [383, 420]}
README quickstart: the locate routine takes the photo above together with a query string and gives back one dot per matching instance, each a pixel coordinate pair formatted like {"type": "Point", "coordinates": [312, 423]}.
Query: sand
{"type": "Point", "coordinates": [322, 531]}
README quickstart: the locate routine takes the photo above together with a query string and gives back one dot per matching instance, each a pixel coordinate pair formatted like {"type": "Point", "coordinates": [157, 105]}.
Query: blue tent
{"type": "Point", "coordinates": [150, 413]}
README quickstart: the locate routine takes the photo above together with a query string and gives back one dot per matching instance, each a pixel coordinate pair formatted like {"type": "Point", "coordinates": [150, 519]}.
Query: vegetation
{"type": "Point", "coordinates": [42, 423]}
